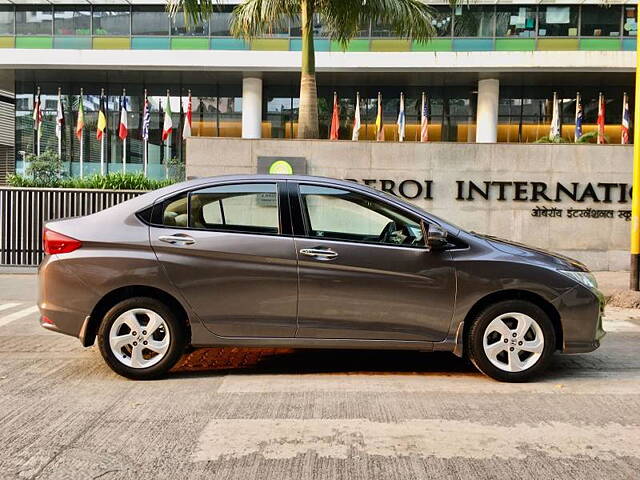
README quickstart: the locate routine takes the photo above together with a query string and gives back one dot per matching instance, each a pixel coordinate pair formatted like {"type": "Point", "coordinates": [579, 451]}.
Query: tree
{"type": "Point", "coordinates": [342, 19]}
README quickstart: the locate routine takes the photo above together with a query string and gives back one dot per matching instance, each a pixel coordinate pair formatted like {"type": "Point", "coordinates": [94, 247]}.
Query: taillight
{"type": "Point", "coordinates": [55, 242]}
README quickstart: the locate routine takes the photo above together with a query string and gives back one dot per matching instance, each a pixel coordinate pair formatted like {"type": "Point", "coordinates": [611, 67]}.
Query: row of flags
{"type": "Point", "coordinates": [554, 131]}
{"type": "Point", "coordinates": [379, 123]}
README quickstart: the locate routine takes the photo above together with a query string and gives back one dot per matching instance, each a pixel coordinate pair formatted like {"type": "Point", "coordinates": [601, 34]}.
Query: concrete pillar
{"type": "Point", "coordinates": [251, 107]}
{"type": "Point", "coordinates": [487, 113]}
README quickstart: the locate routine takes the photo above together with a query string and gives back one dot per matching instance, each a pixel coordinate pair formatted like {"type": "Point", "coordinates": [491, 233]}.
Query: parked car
{"type": "Point", "coordinates": [306, 262]}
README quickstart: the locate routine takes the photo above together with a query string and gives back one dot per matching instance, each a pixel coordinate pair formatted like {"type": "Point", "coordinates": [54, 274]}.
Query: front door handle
{"type": "Point", "coordinates": [319, 253]}
{"type": "Point", "coordinates": [178, 239]}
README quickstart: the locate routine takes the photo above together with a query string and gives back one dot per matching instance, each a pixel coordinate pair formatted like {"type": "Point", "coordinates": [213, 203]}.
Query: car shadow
{"type": "Point", "coordinates": [223, 361]}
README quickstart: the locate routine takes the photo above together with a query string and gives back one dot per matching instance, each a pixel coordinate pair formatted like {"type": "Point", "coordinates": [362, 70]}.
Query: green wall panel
{"type": "Point", "coordinates": [473, 44]}
{"type": "Point", "coordinates": [566, 44]}
{"type": "Point", "coordinates": [320, 45]}
{"type": "Point", "coordinates": [515, 44]}
{"type": "Point", "coordinates": [357, 45]}
{"type": "Point", "coordinates": [78, 43]}
{"type": "Point", "coordinates": [629, 44]}
{"type": "Point", "coordinates": [271, 44]}
{"type": "Point", "coordinates": [435, 45]}
{"type": "Point", "coordinates": [111, 43]}
{"type": "Point", "coordinates": [34, 42]}
{"type": "Point", "coordinates": [7, 42]}
{"type": "Point", "coordinates": [390, 45]}
{"type": "Point", "coordinates": [228, 44]}
{"type": "Point", "coordinates": [190, 44]}
{"type": "Point", "coordinates": [150, 43]}
{"type": "Point", "coordinates": [600, 44]}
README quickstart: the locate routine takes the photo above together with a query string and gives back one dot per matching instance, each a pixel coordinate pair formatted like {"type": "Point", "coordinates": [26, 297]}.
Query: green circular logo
{"type": "Point", "coordinates": [281, 167]}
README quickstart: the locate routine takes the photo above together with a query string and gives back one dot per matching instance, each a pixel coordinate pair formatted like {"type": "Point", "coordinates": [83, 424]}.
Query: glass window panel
{"type": "Point", "coordinates": [181, 28]}
{"type": "Point", "coordinates": [343, 215]}
{"type": "Point", "coordinates": [318, 31]}
{"type": "Point", "coordinates": [600, 21]}
{"type": "Point", "coordinates": [250, 208]}
{"type": "Point", "coordinates": [630, 25]}
{"type": "Point", "coordinates": [7, 17]}
{"type": "Point", "coordinates": [221, 21]}
{"type": "Point", "coordinates": [515, 21]}
{"type": "Point", "coordinates": [150, 21]}
{"type": "Point", "coordinates": [72, 21]}
{"type": "Point", "coordinates": [442, 20]}
{"type": "Point", "coordinates": [111, 20]}
{"type": "Point", "coordinates": [558, 21]}
{"type": "Point", "coordinates": [473, 21]}
{"type": "Point", "coordinates": [379, 29]}
{"type": "Point", "coordinates": [34, 20]}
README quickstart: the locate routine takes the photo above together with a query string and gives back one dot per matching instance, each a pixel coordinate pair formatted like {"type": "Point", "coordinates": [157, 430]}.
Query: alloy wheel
{"type": "Point", "coordinates": [139, 338]}
{"type": "Point", "coordinates": [513, 342]}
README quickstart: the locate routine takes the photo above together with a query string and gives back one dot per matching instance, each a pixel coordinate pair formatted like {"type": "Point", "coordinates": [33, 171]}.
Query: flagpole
{"type": "Point", "coordinates": [81, 140]}
{"type": "Point", "coordinates": [58, 125]}
{"type": "Point", "coordinates": [124, 140]}
{"type": "Point", "coordinates": [102, 137]}
{"type": "Point", "coordinates": [39, 120]}
{"type": "Point", "coordinates": [575, 130]}
{"type": "Point", "coordinates": [169, 138]}
{"type": "Point", "coordinates": [144, 136]}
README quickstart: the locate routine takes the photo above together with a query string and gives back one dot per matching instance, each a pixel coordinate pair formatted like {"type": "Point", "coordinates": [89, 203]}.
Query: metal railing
{"type": "Point", "coordinates": [23, 212]}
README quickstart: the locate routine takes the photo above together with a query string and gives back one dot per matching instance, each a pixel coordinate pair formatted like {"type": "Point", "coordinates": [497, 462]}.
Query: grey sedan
{"type": "Point", "coordinates": [306, 262]}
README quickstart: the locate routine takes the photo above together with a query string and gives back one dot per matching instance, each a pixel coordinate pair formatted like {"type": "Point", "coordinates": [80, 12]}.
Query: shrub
{"type": "Point", "coordinates": [112, 181]}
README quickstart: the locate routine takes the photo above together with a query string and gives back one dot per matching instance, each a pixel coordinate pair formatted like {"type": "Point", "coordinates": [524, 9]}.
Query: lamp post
{"type": "Point", "coordinates": [635, 199]}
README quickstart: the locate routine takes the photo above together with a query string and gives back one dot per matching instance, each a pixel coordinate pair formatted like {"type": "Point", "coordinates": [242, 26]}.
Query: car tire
{"type": "Point", "coordinates": [502, 344]}
{"type": "Point", "coordinates": [123, 329]}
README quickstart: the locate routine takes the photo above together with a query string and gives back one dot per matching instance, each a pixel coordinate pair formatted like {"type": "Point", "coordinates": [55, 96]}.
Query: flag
{"type": "Point", "coordinates": [80, 121]}
{"type": "Point", "coordinates": [102, 119]}
{"type": "Point", "coordinates": [123, 129]}
{"type": "Point", "coordinates": [146, 118]}
{"type": "Point", "coordinates": [626, 119]}
{"type": "Point", "coordinates": [379, 121]}
{"type": "Point", "coordinates": [401, 119]}
{"type": "Point", "coordinates": [335, 120]}
{"type": "Point", "coordinates": [601, 115]}
{"type": "Point", "coordinates": [355, 135]}
{"type": "Point", "coordinates": [59, 118]}
{"type": "Point", "coordinates": [186, 130]}
{"type": "Point", "coordinates": [554, 131]}
{"type": "Point", "coordinates": [424, 121]}
{"type": "Point", "coordinates": [167, 127]}
{"type": "Point", "coordinates": [37, 115]}
{"type": "Point", "coordinates": [579, 118]}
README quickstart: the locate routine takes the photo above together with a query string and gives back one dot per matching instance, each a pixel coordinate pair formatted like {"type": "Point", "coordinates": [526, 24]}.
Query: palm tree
{"type": "Point", "coordinates": [342, 19]}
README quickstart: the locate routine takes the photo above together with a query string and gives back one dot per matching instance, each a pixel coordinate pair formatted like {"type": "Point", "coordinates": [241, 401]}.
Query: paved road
{"type": "Point", "coordinates": [293, 414]}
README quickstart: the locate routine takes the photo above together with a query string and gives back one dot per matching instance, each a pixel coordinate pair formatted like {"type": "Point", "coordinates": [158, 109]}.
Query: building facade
{"type": "Point", "coordinates": [489, 75]}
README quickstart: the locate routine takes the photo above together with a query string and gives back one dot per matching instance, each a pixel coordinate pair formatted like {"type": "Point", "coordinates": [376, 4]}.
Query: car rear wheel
{"type": "Point", "coordinates": [141, 338]}
{"type": "Point", "coordinates": [511, 341]}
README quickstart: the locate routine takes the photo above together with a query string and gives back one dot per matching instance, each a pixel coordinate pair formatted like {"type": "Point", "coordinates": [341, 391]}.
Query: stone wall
{"type": "Point", "coordinates": [572, 199]}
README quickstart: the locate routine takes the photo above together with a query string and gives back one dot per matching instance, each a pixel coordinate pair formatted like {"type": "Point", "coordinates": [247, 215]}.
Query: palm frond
{"type": "Point", "coordinates": [255, 17]}
{"type": "Point", "coordinates": [195, 11]}
{"type": "Point", "coordinates": [406, 18]}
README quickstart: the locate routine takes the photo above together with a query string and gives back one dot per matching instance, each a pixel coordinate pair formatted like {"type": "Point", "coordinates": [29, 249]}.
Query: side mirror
{"type": "Point", "coordinates": [436, 237]}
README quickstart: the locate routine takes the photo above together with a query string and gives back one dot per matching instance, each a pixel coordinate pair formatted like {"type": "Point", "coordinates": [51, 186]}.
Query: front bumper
{"type": "Point", "coordinates": [581, 311]}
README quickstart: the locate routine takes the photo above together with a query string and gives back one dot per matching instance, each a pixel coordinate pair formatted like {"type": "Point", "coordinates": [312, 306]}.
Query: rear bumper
{"type": "Point", "coordinates": [581, 311]}
{"type": "Point", "coordinates": [63, 299]}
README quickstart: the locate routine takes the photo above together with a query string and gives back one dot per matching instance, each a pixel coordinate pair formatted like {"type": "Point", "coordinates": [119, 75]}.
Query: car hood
{"type": "Point", "coordinates": [533, 253]}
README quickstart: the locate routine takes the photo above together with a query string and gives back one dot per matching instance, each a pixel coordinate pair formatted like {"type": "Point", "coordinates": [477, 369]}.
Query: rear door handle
{"type": "Point", "coordinates": [319, 253]}
{"type": "Point", "coordinates": [178, 239]}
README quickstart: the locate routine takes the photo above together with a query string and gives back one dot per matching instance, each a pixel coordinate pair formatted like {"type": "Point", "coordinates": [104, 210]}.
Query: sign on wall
{"type": "Point", "coordinates": [282, 165]}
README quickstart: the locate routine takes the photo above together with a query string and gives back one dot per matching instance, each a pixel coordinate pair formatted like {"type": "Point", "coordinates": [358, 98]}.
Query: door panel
{"type": "Point", "coordinates": [221, 248]}
{"type": "Point", "coordinates": [364, 271]}
{"type": "Point", "coordinates": [374, 292]}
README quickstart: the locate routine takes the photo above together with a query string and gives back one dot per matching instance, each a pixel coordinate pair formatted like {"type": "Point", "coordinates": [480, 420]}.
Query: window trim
{"type": "Point", "coordinates": [280, 194]}
{"type": "Point", "coordinates": [304, 221]}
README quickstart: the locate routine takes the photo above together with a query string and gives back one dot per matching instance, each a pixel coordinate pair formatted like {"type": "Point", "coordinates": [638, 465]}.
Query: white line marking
{"type": "Point", "coordinates": [343, 438]}
{"type": "Point", "coordinates": [572, 383]}
{"type": "Point", "coordinates": [18, 315]}
{"type": "Point", "coordinates": [7, 306]}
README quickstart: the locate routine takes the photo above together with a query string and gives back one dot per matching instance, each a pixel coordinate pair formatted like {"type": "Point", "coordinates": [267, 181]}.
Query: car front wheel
{"type": "Point", "coordinates": [511, 341]}
{"type": "Point", "coordinates": [141, 338]}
